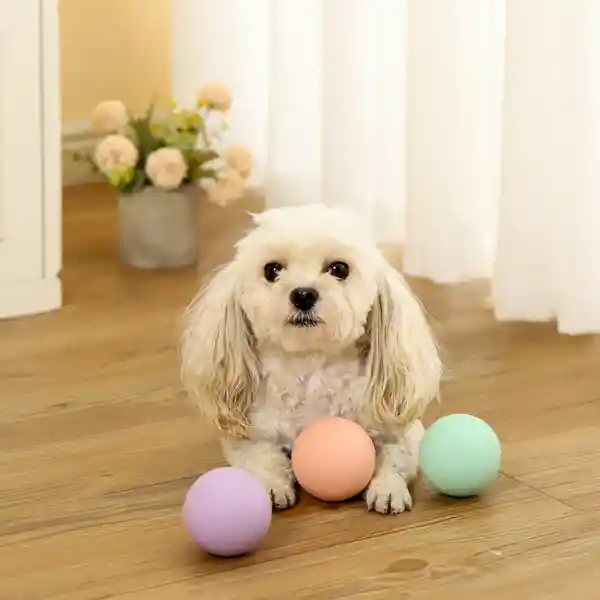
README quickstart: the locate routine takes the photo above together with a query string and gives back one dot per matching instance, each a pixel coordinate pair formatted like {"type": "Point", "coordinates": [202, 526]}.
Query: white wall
{"type": "Point", "coordinates": [114, 50]}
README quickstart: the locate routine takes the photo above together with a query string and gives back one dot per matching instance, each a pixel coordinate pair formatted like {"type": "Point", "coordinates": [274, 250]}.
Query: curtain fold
{"type": "Point", "coordinates": [549, 212]}
{"type": "Point", "coordinates": [453, 124]}
{"type": "Point", "coordinates": [295, 131]}
{"type": "Point", "coordinates": [466, 130]}
{"type": "Point", "coordinates": [363, 114]}
{"type": "Point", "coordinates": [226, 41]}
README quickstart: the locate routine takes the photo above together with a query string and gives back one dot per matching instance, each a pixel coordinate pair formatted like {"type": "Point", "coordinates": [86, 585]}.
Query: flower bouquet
{"type": "Point", "coordinates": [160, 167]}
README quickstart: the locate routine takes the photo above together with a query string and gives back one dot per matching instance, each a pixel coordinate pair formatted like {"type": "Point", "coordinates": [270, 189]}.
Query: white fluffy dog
{"type": "Point", "coordinates": [307, 321]}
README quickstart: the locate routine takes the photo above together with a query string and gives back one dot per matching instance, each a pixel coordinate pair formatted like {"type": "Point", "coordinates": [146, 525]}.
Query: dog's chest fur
{"type": "Point", "coordinates": [295, 391]}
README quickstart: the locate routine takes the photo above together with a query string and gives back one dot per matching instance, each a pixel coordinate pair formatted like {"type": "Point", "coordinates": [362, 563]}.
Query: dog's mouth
{"type": "Point", "coordinates": [301, 320]}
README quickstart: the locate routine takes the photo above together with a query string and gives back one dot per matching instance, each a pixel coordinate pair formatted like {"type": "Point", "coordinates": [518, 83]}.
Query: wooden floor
{"type": "Point", "coordinates": [98, 447]}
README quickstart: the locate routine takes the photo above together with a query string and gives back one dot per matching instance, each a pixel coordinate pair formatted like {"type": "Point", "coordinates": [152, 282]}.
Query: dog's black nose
{"type": "Point", "coordinates": [304, 298]}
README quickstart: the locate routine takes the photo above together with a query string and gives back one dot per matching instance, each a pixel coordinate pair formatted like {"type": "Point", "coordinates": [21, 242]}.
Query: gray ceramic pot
{"type": "Point", "coordinates": [158, 229]}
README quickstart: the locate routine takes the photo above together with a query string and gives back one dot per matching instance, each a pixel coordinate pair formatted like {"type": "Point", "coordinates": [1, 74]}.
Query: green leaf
{"type": "Point", "coordinates": [121, 178]}
{"type": "Point", "coordinates": [204, 155]}
{"type": "Point", "coordinates": [82, 157]}
{"type": "Point", "coordinates": [150, 110]}
{"type": "Point", "coordinates": [146, 140]}
{"type": "Point", "coordinates": [142, 128]}
{"type": "Point", "coordinates": [205, 174]}
{"type": "Point", "coordinates": [87, 158]}
{"type": "Point", "coordinates": [185, 141]}
{"type": "Point", "coordinates": [137, 183]}
{"type": "Point", "coordinates": [196, 159]}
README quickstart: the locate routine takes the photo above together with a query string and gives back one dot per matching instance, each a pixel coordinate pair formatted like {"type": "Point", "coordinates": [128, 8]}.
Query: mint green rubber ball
{"type": "Point", "coordinates": [460, 456]}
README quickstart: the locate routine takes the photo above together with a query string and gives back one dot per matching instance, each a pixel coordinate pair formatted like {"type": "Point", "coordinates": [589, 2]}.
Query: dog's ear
{"type": "Point", "coordinates": [403, 364]}
{"type": "Point", "coordinates": [219, 363]}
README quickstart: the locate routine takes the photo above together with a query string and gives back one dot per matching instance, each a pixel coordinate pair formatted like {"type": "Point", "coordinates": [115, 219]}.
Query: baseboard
{"type": "Point", "coordinates": [26, 298]}
{"type": "Point", "coordinates": [77, 136]}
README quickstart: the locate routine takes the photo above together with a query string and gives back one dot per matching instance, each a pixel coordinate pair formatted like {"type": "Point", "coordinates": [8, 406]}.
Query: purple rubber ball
{"type": "Point", "coordinates": [227, 512]}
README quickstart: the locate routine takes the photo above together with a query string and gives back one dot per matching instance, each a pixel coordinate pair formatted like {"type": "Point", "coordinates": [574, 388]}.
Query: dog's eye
{"type": "Point", "coordinates": [271, 271]}
{"type": "Point", "coordinates": [338, 269]}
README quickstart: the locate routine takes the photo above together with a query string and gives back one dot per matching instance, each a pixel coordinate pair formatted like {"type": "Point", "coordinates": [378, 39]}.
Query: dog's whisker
{"type": "Point", "coordinates": [305, 319]}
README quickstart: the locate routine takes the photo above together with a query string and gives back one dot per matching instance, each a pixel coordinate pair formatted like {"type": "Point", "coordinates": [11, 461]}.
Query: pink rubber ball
{"type": "Point", "coordinates": [333, 459]}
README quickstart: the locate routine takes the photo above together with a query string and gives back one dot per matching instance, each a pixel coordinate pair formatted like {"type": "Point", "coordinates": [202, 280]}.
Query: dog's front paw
{"type": "Point", "coordinates": [388, 494]}
{"type": "Point", "coordinates": [282, 492]}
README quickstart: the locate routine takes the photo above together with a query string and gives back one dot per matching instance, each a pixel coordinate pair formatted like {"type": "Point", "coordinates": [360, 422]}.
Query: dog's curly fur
{"type": "Point", "coordinates": [261, 374]}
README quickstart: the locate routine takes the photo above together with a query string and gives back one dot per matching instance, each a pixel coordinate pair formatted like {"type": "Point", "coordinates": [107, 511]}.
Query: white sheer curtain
{"type": "Point", "coordinates": [466, 130]}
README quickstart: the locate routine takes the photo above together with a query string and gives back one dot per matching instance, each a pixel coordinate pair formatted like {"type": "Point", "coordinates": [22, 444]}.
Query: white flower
{"type": "Point", "coordinates": [115, 151]}
{"type": "Point", "coordinates": [109, 116]}
{"type": "Point", "coordinates": [215, 96]}
{"type": "Point", "coordinates": [226, 188]}
{"type": "Point", "coordinates": [166, 168]}
{"type": "Point", "coordinates": [239, 159]}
